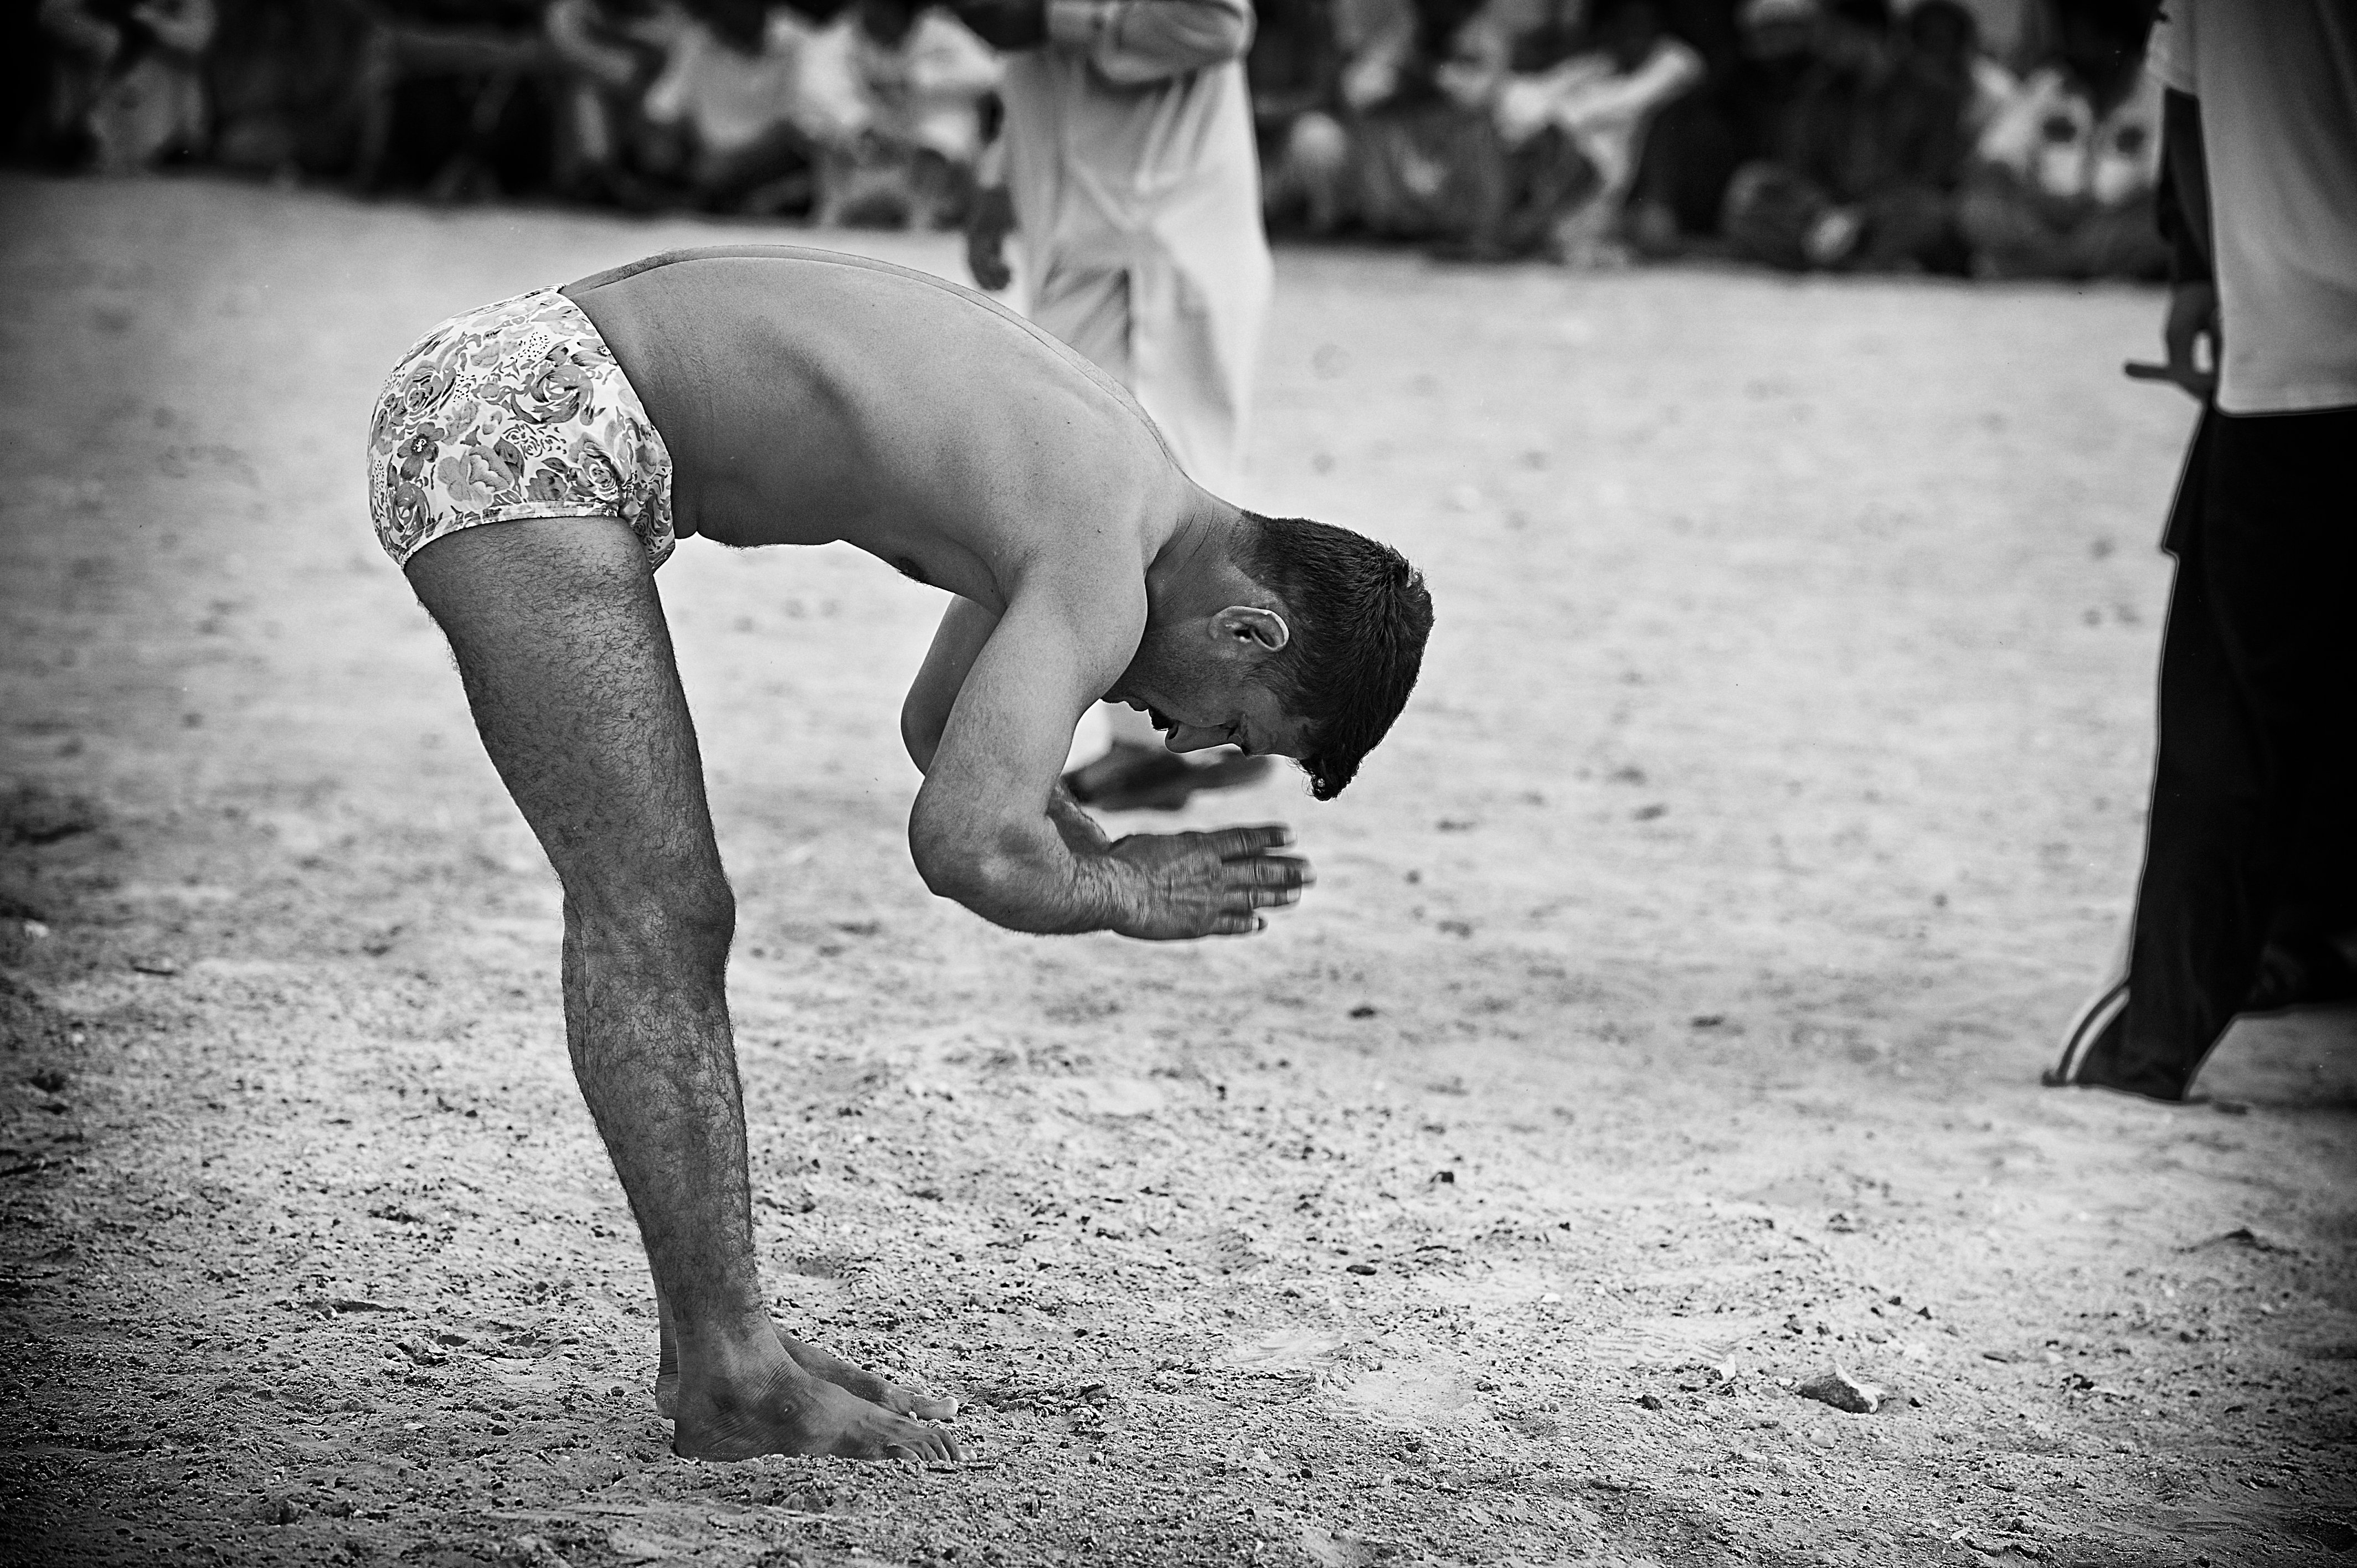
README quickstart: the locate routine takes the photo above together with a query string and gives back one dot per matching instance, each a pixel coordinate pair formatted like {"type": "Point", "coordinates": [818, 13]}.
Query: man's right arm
{"type": "Point", "coordinates": [965, 627]}
{"type": "Point", "coordinates": [2185, 223]}
{"type": "Point", "coordinates": [992, 830]}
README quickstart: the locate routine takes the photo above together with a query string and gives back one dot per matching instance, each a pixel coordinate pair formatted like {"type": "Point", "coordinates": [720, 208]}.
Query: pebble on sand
{"type": "Point", "coordinates": [1842, 1391]}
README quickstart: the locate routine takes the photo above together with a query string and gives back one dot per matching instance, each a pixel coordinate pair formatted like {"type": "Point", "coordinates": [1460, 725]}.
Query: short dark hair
{"type": "Point", "coordinates": [1359, 614]}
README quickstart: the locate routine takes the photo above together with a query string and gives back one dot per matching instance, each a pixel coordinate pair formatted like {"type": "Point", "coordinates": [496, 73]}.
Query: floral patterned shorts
{"type": "Point", "coordinates": [513, 411]}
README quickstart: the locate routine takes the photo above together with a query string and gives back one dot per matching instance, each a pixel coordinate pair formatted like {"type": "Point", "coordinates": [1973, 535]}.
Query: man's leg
{"type": "Point", "coordinates": [568, 666]}
{"type": "Point", "coordinates": [2188, 945]}
{"type": "Point", "coordinates": [2256, 718]}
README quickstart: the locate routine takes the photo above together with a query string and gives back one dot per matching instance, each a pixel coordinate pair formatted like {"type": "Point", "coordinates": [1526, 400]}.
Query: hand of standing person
{"type": "Point", "coordinates": [989, 222]}
{"type": "Point", "coordinates": [2193, 317]}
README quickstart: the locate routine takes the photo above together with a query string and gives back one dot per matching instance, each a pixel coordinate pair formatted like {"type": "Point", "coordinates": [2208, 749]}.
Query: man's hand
{"type": "Point", "coordinates": [1005, 24]}
{"type": "Point", "coordinates": [2193, 317]}
{"type": "Point", "coordinates": [1214, 883]}
{"type": "Point", "coordinates": [987, 225]}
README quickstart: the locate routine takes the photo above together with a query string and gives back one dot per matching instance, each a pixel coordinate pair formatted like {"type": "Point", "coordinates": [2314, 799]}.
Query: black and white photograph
{"type": "Point", "coordinates": [1178, 783]}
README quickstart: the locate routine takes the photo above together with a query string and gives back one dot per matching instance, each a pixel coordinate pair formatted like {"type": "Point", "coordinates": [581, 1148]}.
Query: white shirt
{"type": "Point", "coordinates": [1130, 157]}
{"type": "Point", "coordinates": [2278, 81]}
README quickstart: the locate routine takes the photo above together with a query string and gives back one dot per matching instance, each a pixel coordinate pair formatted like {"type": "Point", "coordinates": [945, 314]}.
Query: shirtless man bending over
{"type": "Point", "coordinates": [771, 395]}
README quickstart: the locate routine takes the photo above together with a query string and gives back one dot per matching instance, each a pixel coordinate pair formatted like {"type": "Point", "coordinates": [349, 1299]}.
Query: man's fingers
{"type": "Point", "coordinates": [1235, 844]}
{"type": "Point", "coordinates": [1246, 896]}
{"type": "Point", "coordinates": [1266, 871]}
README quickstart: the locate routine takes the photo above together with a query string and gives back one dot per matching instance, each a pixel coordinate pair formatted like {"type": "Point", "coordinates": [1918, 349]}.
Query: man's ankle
{"type": "Point", "coordinates": [2146, 1079]}
{"type": "Point", "coordinates": [730, 1354]}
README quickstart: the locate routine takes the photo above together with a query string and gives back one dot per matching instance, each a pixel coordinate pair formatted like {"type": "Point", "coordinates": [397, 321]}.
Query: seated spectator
{"type": "Point", "coordinates": [1294, 70]}
{"type": "Point", "coordinates": [1506, 180]}
{"type": "Point", "coordinates": [125, 86]}
{"type": "Point", "coordinates": [451, 96]}
{"type": "Point", "coordinates": [903, 88]}
{"type": "Point", "coordinates": [2064, 177]}
{"type": "Point", "coordinates": [1943, 42]}
{"type": "Point", "coordinates": [283, 79]}
{"type": "Point", "coordinates": [1601, 102]}
{"type": "Point", "coordinates": [1742, 112]}
{"type": "Point", "coordinates": [1861, 168]}
{"type": "Point", "coordinates": [1473, 132]}
{"type": "Point", "coordinates": [726, 105]}
{"type": "Point", "coordinates": [1382, 156]}
{"type": "Point", "coordinates": [609, 52]}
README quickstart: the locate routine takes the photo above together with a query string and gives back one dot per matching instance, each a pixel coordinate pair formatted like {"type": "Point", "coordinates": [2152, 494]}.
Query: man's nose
{"type": "Point", "coordinates": [1189, 738]}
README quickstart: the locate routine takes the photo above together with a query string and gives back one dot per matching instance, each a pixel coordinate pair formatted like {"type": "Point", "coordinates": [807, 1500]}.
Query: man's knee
{"type": "Point", "coordinates": [683, 919]}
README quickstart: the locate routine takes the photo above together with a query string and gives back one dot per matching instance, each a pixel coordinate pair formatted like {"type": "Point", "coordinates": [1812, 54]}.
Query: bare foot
{"type": "Point", "coordinates": [793, 1412]}
{"type": "Point", "coordinates": [831, 1368]}
{"type": "Point", "coordinates": [825, 1365]}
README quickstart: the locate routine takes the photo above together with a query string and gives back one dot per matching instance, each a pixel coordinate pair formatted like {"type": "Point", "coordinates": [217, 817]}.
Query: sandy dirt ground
{"type": "Point", "coordinates": [1662, 1034]}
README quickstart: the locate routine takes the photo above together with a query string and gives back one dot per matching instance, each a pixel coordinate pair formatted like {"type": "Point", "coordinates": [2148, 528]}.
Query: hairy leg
{"type": "Point", "coordinates": [567, 663]}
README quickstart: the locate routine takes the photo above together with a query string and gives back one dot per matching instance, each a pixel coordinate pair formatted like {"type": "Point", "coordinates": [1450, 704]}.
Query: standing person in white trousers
{"type": "Point", "coordinates": [1131, 179]}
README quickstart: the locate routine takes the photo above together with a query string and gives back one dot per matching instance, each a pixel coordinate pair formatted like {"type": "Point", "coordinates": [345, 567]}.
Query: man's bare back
{"type": "Point", "coordinates": [800, 398]}
{"type": "Point", "coordinates": [808, 397]}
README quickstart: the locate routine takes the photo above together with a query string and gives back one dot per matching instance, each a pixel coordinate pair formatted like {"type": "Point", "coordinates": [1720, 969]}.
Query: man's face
{"type": "Point", "coordinates": [1203, 682]}
{"type": "Point", "coordinates": [1195, 714]}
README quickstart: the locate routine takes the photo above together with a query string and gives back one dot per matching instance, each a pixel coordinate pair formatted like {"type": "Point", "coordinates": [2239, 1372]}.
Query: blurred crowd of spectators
{"type": "Point", "coordinates": [1834, 134]}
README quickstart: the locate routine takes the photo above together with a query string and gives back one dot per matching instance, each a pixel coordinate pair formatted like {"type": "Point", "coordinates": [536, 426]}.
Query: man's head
{"type": "Point", "coordinates": [1304, 642]}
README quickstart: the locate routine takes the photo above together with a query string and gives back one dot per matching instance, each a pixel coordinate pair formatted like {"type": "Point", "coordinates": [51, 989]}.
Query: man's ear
{"type": "Point", "coordinates": [1239, 624]}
